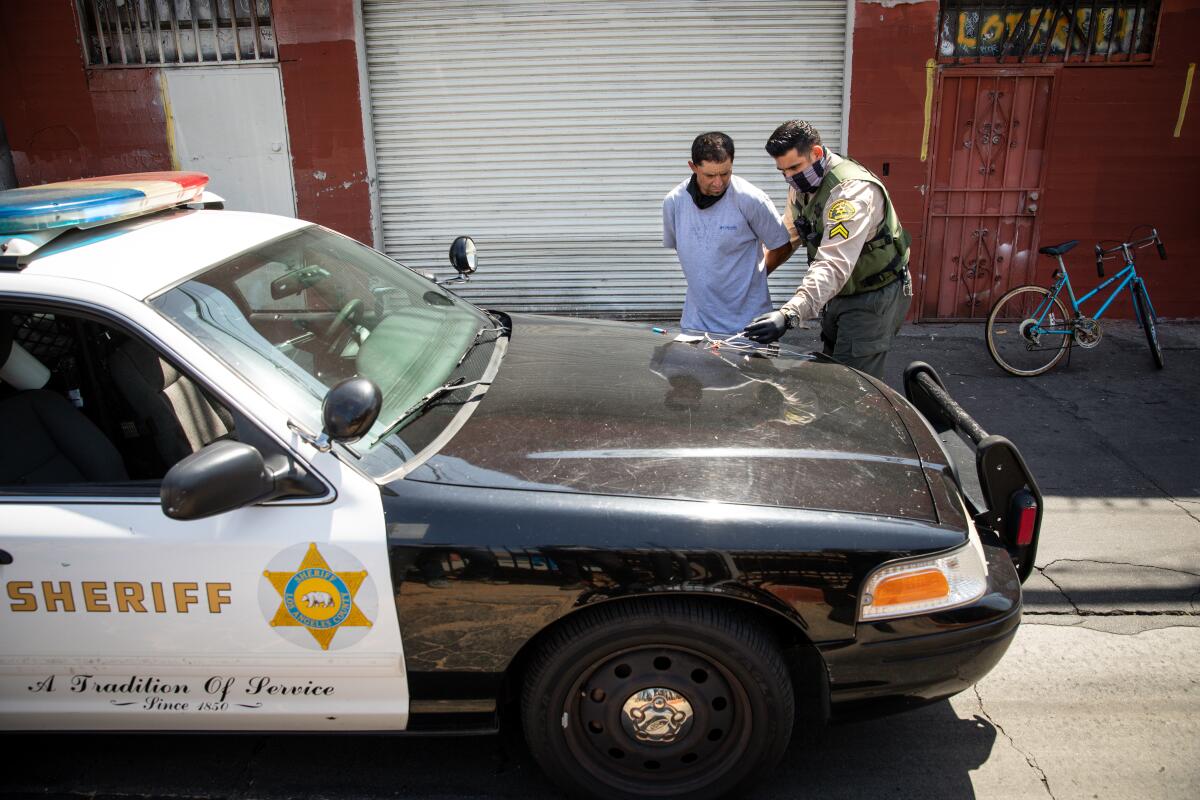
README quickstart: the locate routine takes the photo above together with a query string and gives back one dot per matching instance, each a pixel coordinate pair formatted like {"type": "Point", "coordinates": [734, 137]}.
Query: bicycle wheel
{"type": "Point", "coordinates": [1016, 343]}
{"type": "Point", "coordinates": [1145, 315]}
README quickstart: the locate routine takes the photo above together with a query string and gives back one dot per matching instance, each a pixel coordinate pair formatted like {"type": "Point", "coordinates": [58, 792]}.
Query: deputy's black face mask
{"type": "Point", "coordinates": [808, 180]}
{"type": "Point", "coordinates": [700, 198]}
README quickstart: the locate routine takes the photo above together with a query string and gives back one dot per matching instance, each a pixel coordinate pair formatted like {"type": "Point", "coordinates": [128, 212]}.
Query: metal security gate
{"type": "Point", "coordinates": [550, 132]}
{"type": "Point", "coordinates": [987, 185]}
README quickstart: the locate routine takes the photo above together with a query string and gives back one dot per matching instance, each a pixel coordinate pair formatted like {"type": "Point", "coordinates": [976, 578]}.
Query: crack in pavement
{"type": "Point", "coordinates": [1116, 612]}
{"type": "Point", "coordinates": [1042, 571]}
{"type": "Point", "coordinates": [1114, 564]}
{"type": "Point", "coordinates": [1029, 759]}
{"type": "Point", "coordinates": [1081, 624]}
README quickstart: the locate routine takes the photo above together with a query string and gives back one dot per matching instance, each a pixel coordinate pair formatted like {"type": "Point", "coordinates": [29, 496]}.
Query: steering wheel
{"type": "Point", "coordinates": [335, 334]}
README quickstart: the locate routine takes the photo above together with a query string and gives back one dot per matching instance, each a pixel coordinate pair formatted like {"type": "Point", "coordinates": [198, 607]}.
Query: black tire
{"type": "Point", "coordinates": [581, 700]}
{"type": "Point", "coordinates": [1007, 343]}
{"type": "Point", "coordinates": [1145, 315]}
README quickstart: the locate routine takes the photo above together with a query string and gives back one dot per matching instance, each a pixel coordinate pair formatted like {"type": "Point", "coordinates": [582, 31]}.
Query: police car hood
{"type": "Point", "coordinates": [615, 409]}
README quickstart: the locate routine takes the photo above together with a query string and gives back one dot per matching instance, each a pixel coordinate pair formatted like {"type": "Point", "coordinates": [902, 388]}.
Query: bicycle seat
{"type": "Point", "coordinates": [1058, 249]}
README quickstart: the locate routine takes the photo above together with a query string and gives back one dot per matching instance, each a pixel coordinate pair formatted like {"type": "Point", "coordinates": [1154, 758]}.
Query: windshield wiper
{"type": "Point", "coordinates": [428, 399]}
{"type": "Point", "coordinates": [476, 342]}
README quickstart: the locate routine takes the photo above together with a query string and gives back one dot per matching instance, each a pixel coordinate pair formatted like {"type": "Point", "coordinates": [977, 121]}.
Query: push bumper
{"type": "Point", "coordinates": [1011, 503]}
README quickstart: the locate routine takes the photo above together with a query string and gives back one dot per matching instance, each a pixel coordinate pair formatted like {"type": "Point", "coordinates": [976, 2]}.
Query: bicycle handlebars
{"type": "Point", "coordinates": [1124, 247]}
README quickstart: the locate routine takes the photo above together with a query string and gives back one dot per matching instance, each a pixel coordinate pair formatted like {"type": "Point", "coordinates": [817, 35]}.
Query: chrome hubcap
{"type": "Point", "coordinates": [656, 715]}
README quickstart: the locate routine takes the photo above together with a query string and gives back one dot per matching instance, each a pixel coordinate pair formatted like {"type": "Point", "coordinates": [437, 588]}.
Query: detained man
{"type": "Point", "coordinates": [719, 225]}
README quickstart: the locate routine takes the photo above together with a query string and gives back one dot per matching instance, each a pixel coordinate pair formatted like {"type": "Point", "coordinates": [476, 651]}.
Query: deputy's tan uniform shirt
{"type": "Point", "coordinates": [841, 243]}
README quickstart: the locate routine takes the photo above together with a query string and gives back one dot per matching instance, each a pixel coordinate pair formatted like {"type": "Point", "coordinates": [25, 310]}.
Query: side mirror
{"type": "Point", "coordinates": [462, 255]}
{"type": "Point", "coordinates": [350, 409]}
{"type": "Point", "coordinates": [220, 477]}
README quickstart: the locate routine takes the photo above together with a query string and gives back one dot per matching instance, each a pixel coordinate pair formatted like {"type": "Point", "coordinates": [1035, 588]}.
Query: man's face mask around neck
{"type": "Point", "coordinates": [810, 168]}
{"type": "Point", "coordinates": [709, 181]}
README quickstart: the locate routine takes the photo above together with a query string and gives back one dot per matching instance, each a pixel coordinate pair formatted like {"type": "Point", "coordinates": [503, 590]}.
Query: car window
{"type": "Point", "coordinates": [362, 315]}
{"type": "Point", "coordinates": [86, 405]}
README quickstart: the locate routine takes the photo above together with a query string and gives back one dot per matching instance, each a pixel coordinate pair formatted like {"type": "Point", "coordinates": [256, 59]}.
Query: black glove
{"type": "Point", "coordinates": [766, 328]}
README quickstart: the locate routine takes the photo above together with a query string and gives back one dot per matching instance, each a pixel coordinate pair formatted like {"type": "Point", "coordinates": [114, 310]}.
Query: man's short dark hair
{"type": "Point", "coordinates": [795, 133]}
{"type": "Point", "coordinates": [715, 147]}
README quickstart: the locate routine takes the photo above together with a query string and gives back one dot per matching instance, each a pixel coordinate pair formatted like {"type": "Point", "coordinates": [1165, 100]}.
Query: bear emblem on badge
{"type": "Point", "coordinates": [327, 596]}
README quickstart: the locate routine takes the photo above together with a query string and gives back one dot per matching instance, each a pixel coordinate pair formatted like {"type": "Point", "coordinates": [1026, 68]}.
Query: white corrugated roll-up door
{"type": "Point", "coordinates": [550, 133]}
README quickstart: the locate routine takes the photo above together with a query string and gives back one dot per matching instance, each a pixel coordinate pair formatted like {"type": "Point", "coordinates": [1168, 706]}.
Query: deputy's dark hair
{"type": "Point", "coordinates": [795, 133]}
{"type": "Point", "coordinates": [715, 147]}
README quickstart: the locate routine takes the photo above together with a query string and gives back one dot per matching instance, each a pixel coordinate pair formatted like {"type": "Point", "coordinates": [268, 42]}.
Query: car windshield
{"type": "Point", "coordinates": [301, 313]}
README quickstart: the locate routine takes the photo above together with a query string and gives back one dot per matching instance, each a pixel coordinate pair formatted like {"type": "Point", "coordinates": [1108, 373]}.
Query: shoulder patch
{"type": "Point", "coordinates": [841, 210]}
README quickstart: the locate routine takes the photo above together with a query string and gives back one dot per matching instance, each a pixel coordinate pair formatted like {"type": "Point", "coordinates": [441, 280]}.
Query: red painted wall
{"type": "Point", "coordinates": [321, 94]}
{"type": "Point", "coordinates": [1114, 163]}
{"type": "Point", "coordinates": [1113, 159]}
{"type": "Point", "coordinates": [887, 103]}
{"type": "Point", "coordinates": [65, 122]}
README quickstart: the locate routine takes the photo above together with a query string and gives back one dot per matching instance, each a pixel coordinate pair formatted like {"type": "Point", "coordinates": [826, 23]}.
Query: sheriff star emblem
{"type": "Point", "coordinates": [318, 598]}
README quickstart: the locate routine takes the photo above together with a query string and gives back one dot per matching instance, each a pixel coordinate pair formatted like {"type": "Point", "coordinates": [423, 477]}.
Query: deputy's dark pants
{"type": "Point", "coordinates": [858, 330]}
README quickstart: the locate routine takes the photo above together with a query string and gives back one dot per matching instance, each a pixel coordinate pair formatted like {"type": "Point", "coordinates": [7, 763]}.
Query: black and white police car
{"type": "Point", "coordinates": [258, 476]}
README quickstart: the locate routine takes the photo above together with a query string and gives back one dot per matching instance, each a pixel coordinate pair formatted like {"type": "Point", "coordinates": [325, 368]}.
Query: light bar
{"type": "Point", "coordinates": [95, 201]}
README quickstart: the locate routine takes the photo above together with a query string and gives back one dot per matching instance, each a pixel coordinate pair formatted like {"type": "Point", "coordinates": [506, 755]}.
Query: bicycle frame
{"type": "Point", "coordinates": [1126, 275]}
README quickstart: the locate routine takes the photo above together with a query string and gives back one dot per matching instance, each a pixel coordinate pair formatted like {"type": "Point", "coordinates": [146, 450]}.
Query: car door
{"type": "Point", "coordinates": [274, 616]}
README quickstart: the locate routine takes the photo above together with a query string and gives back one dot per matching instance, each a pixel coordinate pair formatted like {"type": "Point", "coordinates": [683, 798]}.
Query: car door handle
{"type": "Point", "coordinates": [5, 557]}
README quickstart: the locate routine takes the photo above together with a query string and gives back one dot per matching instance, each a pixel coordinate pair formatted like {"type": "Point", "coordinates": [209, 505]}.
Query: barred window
{"type": "Point", "coordinates": [1066, 31]}
{"type": "Point", "coordinates": [136, 33]}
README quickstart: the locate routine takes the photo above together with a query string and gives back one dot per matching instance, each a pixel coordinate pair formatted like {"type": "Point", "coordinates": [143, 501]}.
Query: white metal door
{"type": "Point", "coordinates": [552, 131]}
{"type": "Point", "coordinates": [229, 122]}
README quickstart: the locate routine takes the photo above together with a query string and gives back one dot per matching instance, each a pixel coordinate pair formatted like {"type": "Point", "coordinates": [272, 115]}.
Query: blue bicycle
{"type": "Point", "coordinates": [1029, 330]}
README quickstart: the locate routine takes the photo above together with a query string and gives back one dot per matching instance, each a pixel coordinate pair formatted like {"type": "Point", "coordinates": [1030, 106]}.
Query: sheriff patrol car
{"type": "Point", "coordinates": [258, 476]}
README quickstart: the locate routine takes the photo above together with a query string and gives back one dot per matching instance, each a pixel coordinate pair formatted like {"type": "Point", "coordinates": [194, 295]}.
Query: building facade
{"type": "Point", "coordinates": [551, 132]}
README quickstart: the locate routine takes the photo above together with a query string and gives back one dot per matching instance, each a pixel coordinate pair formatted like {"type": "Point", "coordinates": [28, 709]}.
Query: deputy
{"type": "Point", "coordinates": [857, 252]}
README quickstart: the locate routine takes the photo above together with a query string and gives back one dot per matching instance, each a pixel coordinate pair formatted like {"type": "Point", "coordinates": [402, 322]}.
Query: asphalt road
{"type": "Point", "coordinates": [1099, 696]}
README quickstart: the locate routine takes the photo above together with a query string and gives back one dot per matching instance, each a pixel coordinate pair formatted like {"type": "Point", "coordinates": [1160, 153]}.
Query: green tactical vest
{"type": "Point", "coordinates": [883, 257]}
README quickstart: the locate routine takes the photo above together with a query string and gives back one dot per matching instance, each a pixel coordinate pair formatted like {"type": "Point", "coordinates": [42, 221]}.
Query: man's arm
{"type": "Point", "coordinates": [779, 255]}
{"type": "Point", "coordinates": [668, 212]}
{"type": "Point", "coordinates": [770, 229]}
{"type": "Point", "coordinates": [852, 215]}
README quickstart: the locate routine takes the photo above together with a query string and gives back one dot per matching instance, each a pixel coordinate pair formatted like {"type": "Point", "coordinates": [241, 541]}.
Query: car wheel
{"type": "Point", "coordinates": [657, 699]}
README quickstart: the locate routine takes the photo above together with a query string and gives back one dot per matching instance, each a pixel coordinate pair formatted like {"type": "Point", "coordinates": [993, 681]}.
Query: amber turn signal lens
{"type": "Point", "coordinates": [910, 587]}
